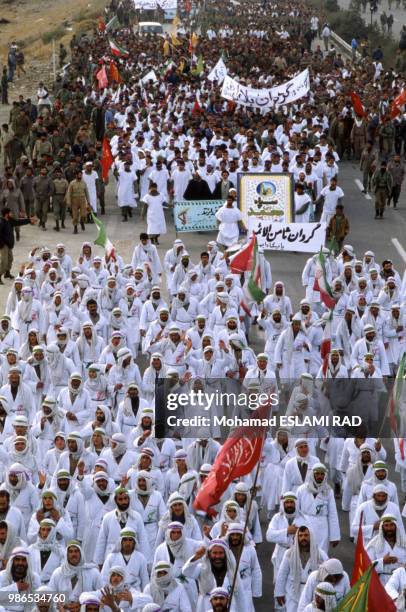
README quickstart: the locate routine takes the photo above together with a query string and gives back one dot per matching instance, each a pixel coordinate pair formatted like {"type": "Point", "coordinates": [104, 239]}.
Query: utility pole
{"type": "Point", "coordinates": [373, 8]}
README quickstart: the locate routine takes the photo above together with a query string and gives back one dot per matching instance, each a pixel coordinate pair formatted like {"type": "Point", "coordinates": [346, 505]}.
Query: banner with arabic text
{"type": "Point", "coordinates": [168, 5]}
{"type": "Point", "coordinates": [301, 237]}
{"type": "Point", "coordinates": [292, 90]}
{"type": "Point", "coordinates": [196, 215]}
{"type": "Point", "coordinates": [145, 5]}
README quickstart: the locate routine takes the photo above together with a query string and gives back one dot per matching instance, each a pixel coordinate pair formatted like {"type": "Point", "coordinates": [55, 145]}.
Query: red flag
{"type": "Point", "coordinates": [378, 599]}
{"type": "Point", "coordinates": [325, 346]}
{"type": "Point", "coordinates": [114, 73]}
{"type": "Point", "coordinates": [196, 108]}
{"type": "Point", "coordinates": [357, 104]}
{"type": "Point", "coordinates": [102, 25]}
{"type": "Point", "coordinates": [238, 457]}
{"type": "Point", "coordinates": [101, 77]}
{"type": "Point", "coordinates": [107, 159]}
{"type": "Point", "coordinates": [398, 102]}
{"type": "Point", "coordinates": [188, 6]}
{"type": "Point", "coordinates": [243, 260]}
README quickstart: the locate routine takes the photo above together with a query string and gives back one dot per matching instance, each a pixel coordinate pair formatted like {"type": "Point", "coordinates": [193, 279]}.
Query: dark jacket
{"type": "Point", "coordinates": [197, 190]}
{"type": "Point", "coordinates": [217, 195]}
{"type": "Point", "coordinates": [7, 230]}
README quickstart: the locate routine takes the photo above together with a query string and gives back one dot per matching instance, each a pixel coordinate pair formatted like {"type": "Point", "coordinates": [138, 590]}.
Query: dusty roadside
{"type": "Point", "coordinates": [33, 25]}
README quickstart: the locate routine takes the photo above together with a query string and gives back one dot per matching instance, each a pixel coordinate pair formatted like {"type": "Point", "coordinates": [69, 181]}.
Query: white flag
{"type": "Point", "coordinates": [219, 72]}
{"type": "Point", "coordinates": [150, 76]}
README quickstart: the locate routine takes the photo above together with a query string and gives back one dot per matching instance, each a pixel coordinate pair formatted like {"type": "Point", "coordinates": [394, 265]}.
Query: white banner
{"type": "Point", "coordinates": [145, 5]}
{"type": "Point", "coordinates": [168, 5]}
{"type": "Point", "coordinates": [219, 72]}
{"type": "Point", "coordinates": [302, 237]}
{"type": "Point", "coordinates": [292, 90]}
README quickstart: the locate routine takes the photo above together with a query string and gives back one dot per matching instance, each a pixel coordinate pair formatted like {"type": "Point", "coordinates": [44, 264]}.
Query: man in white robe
{"type": "Point", "coordinates": [315, 500]}
{"type": "Point", "coordinates": [387, 548]}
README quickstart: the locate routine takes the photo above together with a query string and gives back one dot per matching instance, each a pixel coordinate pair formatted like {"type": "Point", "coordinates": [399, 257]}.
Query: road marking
{"type": "Point", "coordinates": [399, 248]}
{"type": "Point", "coordinates": [361, 188]}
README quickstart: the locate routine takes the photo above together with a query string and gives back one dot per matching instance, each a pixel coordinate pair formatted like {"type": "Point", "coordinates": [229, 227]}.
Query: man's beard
{"type": "Point", "coordinates": [18, 573]}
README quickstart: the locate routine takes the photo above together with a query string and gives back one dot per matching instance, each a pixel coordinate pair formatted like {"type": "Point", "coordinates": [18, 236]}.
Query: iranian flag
{"type": "Point", "coordinates": [325, 346]}
{"type": "Point", "coordinates": [396, 395]}
{"type": "Point", "coordinates": [117, 50]}
{"type": "Point", "coordinates": [113, 24]}
{"type": "Point", "coordinates": [242, 261]}
{"type": "Point", "coordinates": [167, 67]}
{"type": "Point", "coordinates": [247, 260]}
{"type": "Point", "coordinates": [321, 283]}
{"type": "Point", "coordinates": [102, 239]}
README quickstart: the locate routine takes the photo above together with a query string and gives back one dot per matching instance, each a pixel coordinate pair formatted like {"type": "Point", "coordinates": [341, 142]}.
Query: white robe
{"type": "Point", "coordinates": [125, 189]}
{"type": "Point", "coordinates": [228, 228]}
{"type": "Point", "coordinates": [385, 570]}
{"type": "Point", "coordinates": [292, 478]}
{"type": "Point", "coordinates": [321, 515]}
{"type": "Point", "coordinates": [109, 534]}
{"type": "Point", "coordinates": [162, 554]}
{"type": "Point", "coordinates": [81, 408]}
{"type": "Point", "coordinates": [90, 180]}
{"type": "Point", "coordinates": [370, 517]}
{"type": "Point", "coordinates": [89, 580]}
{"type": "Point", "coordinates": [176, 601]}
{"type": "Point", "coordinates": [296, 363]}
{"type": "Point", "coordinates": [192, 569]}
{"type": "Point", "coordinates": [136, 568]}
{"type": "Point", "coordinates": [277, 533]}
{"type": "Point", "coordinates": [341, 588]}
{"type": "Point", "coordinates": [54, 560]}
{"type": "Point", "coordinates": [284, 582]}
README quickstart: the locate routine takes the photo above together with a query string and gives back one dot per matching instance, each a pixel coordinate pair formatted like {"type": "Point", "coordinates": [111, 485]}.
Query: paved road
{"type": "Point", "coordinates": [399, 15]}
{"type": "Point", "coordinates": [366, 233]}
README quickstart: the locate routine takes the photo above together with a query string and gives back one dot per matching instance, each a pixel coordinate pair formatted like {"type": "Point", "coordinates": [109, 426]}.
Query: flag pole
{"type": "Point", "coordinates": [247, 518]}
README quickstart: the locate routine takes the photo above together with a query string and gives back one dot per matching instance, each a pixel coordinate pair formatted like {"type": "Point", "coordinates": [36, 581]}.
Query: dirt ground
{"type": "Point", "coordinates": [33, 21]}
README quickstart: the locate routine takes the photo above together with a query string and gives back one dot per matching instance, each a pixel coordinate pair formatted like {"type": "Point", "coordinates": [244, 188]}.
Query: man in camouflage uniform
{"type": "Point", "coordinates": [58, 199]}
{"type": "Point", "coordinates": [43, 189]}
{"type": "Point", "coordinates": [382, 184]}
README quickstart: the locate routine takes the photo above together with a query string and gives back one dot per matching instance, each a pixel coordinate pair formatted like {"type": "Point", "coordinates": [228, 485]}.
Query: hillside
{"type": "Point", "coordinates": [33, 25]}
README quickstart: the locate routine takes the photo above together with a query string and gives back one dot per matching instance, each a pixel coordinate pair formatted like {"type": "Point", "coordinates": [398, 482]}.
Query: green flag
{"type": "Point", "coordinates": [166, 67]}
{"type": "Point", "coordinates": [102, 239]}
{"type": "Point", "coordinates": [356, 599]}
{"type": "Point", "coordinates": [113, 24]}
{"type": "Point", "coordinates": [394, 415]}
{"type": "Point", "coordinates": [199, 67]}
